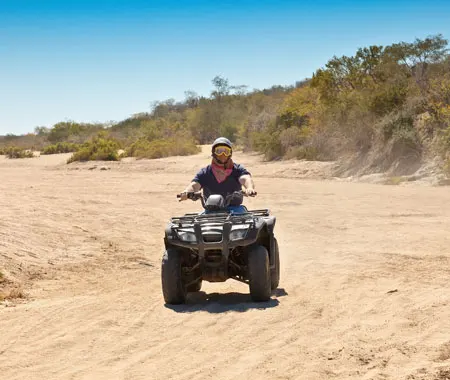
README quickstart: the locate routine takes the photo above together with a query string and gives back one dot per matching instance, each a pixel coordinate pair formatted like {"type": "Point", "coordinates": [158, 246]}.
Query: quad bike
{"type": "Point", "coordinates": [219, 244]}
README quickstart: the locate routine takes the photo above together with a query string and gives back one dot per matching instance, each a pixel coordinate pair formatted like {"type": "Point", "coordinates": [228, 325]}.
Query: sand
{"type": "Point", "coordinates": [364, 290]}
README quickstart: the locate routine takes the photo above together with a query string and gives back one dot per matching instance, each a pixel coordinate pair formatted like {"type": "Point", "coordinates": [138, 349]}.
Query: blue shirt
{"type": "Point", "coordinates": [205, 177]}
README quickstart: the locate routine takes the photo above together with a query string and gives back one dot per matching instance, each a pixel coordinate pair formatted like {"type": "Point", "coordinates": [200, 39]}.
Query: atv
{"type": "Point", "coordinates": [220, 244]}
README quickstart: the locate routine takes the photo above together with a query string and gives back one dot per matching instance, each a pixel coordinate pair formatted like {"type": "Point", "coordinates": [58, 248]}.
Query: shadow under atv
{"type": "Point", "coordinates": [224, 302]}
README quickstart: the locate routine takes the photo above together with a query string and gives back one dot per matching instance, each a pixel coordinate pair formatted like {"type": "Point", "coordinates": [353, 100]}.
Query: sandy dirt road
{"type": "Point", "coordinates": [364, 291]}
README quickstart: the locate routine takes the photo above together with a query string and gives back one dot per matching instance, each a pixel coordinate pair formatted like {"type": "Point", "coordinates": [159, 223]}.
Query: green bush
{"type": "Point", "coordinates": [175, 146]}
{"type": "Point", "coordinates": [388, 99]}
{"type": "Point", "coordinates": [15, 152]}
{"type": "Point", "coordinates": [267, 142]}
{"type": "Point", "coordinates": [61, 147]}
{"type": "Point", "coordinates": [396, 124]}
{"type": "Point", "coordinates": [292, 137]}
{"type": "Point", "coordinates": [304, 152]}
{"type": "Point", "coordinates": [445, 141]}
{"type": "Point", "coordinates": [398, 131]}
{"type": "Point", "coordinates": [100, 148]}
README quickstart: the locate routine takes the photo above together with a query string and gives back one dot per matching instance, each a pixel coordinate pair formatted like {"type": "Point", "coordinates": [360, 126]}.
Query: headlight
{"type": "Point", "coordinates": [238, 233]}
{"type": "Point", "coordinates": [187, 236]}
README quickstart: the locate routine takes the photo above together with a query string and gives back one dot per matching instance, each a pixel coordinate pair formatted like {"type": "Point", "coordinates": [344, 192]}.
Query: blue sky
{"type": "Point", "coordinates": [99, 60]}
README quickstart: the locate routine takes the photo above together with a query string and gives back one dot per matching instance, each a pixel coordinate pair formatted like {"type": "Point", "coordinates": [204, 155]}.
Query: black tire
{"type": "Point", "coordinates": [195, 287]}
{"type": "Point", "coordinates": [259, 273]}
{"type": "Point", "coordinates": [173, 289]}
{"type": "Point", "coordinates": [275, 272]}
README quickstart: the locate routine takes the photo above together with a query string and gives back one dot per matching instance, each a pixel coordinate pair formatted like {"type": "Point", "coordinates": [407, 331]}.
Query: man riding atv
{"type": "Point", "coordinates": [226, 241]}
{"type": "Point", "coordinates": [222, 176]}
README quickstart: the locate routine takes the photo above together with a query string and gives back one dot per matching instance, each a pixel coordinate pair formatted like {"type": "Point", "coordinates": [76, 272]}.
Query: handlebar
{"type": "Point", "coordinates": [195, 196]}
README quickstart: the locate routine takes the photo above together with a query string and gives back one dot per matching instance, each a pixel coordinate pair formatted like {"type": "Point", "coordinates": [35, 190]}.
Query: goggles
{"type": "Point", "coordinates": [219, 150]}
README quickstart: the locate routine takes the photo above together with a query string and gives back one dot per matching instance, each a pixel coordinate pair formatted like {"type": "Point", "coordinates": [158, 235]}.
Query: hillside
{"type": "Point", "coordinates": [384, 109]}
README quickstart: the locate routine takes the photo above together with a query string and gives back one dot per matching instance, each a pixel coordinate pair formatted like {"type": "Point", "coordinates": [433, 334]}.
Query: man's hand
{"type": "Point", "coordinates": [247, 182]}
{"type": "Point", "coordinates": [250, 192]}
{"type": "Point", "coordinates": [183, 196]}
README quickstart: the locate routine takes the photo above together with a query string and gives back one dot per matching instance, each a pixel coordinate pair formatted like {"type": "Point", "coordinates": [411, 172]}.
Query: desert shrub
{"type": "Point", "coordinates": [388, 98]}
{"type": "Point", "coordinates": [8, 291]}
{"type": "Point", "coordinates": [293, 136]}
{"type": "Point", "coordinates": [446, 168]}
{"type": "Point", "coordinates": [396, 124]}
{"type": "Point", "coordinates": [303, 152]}
{"type": "Point", "coordinates": [15, 152]}
{"type": "Point", "coordinates": [267, 142]}
{"type": "Point", "coordinates": [159, 148]}
{"type": "Point", "coordinates": [398, 132]}
{"type": "Point", "coordinates": [12, 294]}
{"type": "Point", "coordinates": [405, 144]}
{"type": "Point", "coordinates": [99, 148]}
{"type": "Point", "coordinates": [61, 147]}
{"type": "Point", "coordinates": [442, 150]}
{"type": "Point", "coordinates": [444, 142]}
{"type": "Point", "coordinates": [71, 131]}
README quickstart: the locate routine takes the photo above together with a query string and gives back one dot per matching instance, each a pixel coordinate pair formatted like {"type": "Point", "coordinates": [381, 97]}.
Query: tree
{"type": "Point", "coordinates": [417, 56]}
{"type": "Point", "coordinates": [240, 89]}
{"type": "Point", "coordinates": [222, 87]}
{"type": "Point", "coordinates": [370, 59]}
{"type": "Point", "coordinates": [191, 98]}
{"type": "Point", "coordinates": [41, 131]}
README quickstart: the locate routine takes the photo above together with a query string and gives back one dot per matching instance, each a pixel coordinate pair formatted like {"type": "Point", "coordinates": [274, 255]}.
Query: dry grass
{"type": "Point", "coordinates": [395, 181]}
{"type": "Point", "coordinates": [177, 146]}
{"type": "Point", "coordinates": [8, 291]}
{"type": "Point", "coordinates": [444, 374]}
{"type": "Point", "coordinates": [445, 352]}
{"type": "Point", "coordinates": [16, 152]}
{"type": "Point", "coordinates": [61, 147]}
{"type": "Point", "coordinates": [100, 148]}
{"type": "Point", "coordinates": [11, 294]}
{"type": "Point", "coordinates": [446, 167]}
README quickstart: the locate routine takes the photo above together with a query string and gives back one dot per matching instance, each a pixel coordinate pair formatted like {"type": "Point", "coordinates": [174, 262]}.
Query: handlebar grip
{"type": "Point", "coordinates": [192, 195]}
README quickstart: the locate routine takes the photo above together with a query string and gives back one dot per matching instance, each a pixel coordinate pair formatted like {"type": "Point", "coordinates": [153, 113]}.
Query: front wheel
{"type": "Point", "coordinates": [259, 273]}
{"type": "Point", "coordinates": [173, 288]}
{"type": "Point", "coordinates": [195, 287]}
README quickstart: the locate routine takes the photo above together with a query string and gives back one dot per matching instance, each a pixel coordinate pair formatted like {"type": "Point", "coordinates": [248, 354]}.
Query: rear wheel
{"type": "Point", "coordinates": [259, 273]}
{"type": "Point", "coordinates": [275, 272]}
{"type": "Point", "coordinates": [173, 289]}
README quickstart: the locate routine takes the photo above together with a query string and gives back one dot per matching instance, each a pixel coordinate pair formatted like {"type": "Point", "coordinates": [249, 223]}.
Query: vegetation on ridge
{"type": "Point", "coordinates": [390, 104]}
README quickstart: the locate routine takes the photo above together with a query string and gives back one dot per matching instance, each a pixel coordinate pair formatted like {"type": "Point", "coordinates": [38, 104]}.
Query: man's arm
{"type": "Point", "coordinates": [192, 187]}
{"type": "Point", "coordinates": [246, 180]}
{"type": "Point", "coordinates": [195, 184]}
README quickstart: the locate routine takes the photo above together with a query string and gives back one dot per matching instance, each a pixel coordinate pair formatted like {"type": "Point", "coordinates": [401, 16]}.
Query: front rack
{"type": "Point", "coordinates": [219, 217]}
